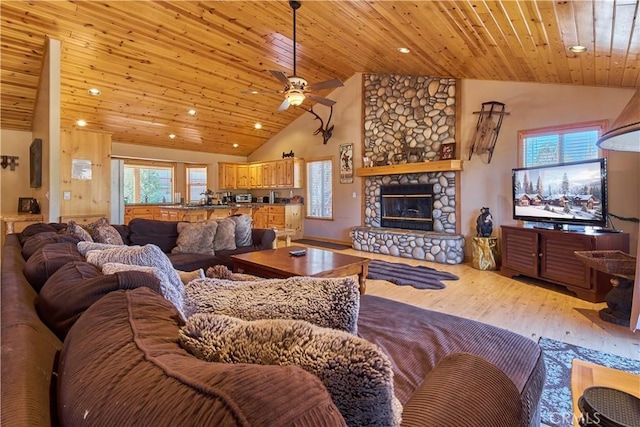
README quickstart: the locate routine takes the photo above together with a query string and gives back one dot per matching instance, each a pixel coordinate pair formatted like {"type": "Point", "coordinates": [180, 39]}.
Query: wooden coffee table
{"type": "Point", "coordinates": [586, 374]}
{"type": "Point", "coordinates": [278, 263]}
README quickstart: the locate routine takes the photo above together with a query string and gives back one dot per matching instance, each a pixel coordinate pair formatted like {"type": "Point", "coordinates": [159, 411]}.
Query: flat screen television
{"type": "Point", "coordinates": [568, 193]}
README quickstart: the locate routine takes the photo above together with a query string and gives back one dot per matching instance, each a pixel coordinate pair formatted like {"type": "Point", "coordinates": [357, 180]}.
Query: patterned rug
{"type": "Point", "coordinates": [556, 408]}
{"type": "Point", "coordinates": [420, 277]}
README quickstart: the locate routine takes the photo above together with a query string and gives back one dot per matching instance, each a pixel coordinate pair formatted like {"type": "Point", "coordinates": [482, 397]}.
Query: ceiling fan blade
{"type": "Point", "coordinates": [321, 100]}
{"type": "Point", "coordinates": [257, 92]}
{"type": "Point", "coordinates": [284, 105]}
{"type": "Point", "coordinates": [329, 84]}
{"type": "Point", "coordinates": [282, 77]}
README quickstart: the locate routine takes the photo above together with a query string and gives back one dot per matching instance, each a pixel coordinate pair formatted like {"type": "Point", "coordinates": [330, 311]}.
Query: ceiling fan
{"type": "Point", "coordinates": [296, 89]}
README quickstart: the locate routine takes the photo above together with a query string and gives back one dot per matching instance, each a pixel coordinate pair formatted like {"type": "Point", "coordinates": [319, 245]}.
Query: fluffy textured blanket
{"type": "Point", "coordinates": [420, 277]}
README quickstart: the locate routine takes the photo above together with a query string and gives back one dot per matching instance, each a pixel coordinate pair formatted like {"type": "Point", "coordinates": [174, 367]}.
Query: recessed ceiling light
{"type": "Point", "coordinates": [258, 126]}
{"type": "Point", "coordinates": [577, 49]}
{"type": "Point", "coordinates": [172, 135]}
{"type": "Point", "coordinates": [94, 91]}
{"type": "Point", "coordinates": [81, 123]}
{"type": "Point", "coordinates": [403, 50]}
{"type": "Point", "coordinates": [192, 112]}
{"type": "Point", "coordinates": [235, 145]}
{"type": "Point", "coordinates": [254, 92]}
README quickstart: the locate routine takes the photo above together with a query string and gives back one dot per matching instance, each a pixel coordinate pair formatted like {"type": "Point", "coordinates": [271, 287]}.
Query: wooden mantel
{"type": "Point", "coordinates": [422, 167]}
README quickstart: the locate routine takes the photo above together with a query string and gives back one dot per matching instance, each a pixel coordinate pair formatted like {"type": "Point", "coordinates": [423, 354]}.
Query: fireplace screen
{"type": "Point", "coordinates": [407, 206]}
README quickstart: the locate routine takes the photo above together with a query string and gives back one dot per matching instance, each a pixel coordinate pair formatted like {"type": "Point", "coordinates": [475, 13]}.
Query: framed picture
{"type": "Point", "coordinates": [447, 151]}
{"type": "Point", "coordinates": [25, 204]}
{"type": "Point", "coordinates": [346, 163]}
{"type": "Point", "coordinates": [35, 163]}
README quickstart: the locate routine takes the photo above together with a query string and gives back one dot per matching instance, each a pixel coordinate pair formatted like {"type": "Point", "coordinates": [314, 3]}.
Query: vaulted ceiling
{"type": "Point", "coordinates": [153, 61]}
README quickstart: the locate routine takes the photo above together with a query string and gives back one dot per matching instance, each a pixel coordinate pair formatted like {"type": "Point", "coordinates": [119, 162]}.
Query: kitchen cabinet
{"type": "Point", "coordinates": [261, 217]}
{"type": "Point", "coordinates": [227, 173]}
{"type": "Point", "coordinates": [549, 255]}
{"type": "Point", "coordinates": [242, 177]}
{"type": "Point", "coordinates": [289, 173]}
{"type": "Point", "coordinates": [148, 212]}
{"type": "Point", "coordinates": [255, 175]}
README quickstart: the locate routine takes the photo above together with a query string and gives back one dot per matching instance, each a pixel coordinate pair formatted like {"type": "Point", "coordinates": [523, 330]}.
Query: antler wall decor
{"type": "Point", "coordinates": [327, 132]}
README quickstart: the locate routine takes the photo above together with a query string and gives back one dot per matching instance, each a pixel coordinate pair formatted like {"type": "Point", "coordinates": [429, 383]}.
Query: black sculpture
{"type": "Point", "coordinates": [484, 226]}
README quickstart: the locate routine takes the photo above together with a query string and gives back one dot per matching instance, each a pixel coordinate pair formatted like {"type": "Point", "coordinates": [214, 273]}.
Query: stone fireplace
{"type": "Point", "coordinates": [407, 120]}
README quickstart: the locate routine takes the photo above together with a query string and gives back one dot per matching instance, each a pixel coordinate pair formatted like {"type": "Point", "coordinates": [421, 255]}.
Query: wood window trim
{"type": "Point", "coordinates": [333, 179]}
{"type": "Point", "coordinates": [187, 185]}
{"type": "Point", "coordinates": [600, 125]}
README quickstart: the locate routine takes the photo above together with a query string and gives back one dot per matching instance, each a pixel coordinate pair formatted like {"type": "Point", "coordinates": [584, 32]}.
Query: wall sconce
{"type": "Point", "coordinates": [486, 133]}
{"type": "Point", "coordinates": [11, 161]}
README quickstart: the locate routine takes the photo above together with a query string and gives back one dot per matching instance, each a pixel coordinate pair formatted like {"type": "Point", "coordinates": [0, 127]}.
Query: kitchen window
{"type": "Point", "coordinates": [148, 182]}
{"type": "Point", "coordinates": [196, 179]}
{"type": "Point", "coordinates": [319, 202]}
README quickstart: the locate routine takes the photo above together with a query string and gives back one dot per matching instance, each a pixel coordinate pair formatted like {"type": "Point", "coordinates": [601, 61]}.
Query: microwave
{"type": "Point", "coordinates": [243, 198]}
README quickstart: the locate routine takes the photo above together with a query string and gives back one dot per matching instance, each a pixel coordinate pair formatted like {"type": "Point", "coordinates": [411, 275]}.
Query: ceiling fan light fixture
{"type": "Point", "coordinates": [295, 97]}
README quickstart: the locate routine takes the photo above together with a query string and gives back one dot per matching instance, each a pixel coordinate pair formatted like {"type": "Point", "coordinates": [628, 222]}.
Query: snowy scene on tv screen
{"type": "Point", "coordinates": [569, 192]}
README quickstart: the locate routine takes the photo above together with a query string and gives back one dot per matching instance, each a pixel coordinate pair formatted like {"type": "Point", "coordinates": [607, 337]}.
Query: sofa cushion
{"type": "Point", "coordinates": [40, 227]}
{"type": "Point", "coordinates": [225, 235]}
{"type": "Point", "coordinates": [47, 260]}
{"type": "Point", "coordinates": [163, 234]}
{"type": "Point", "coordinates": [196, 237]}
{"type": "Point", "coordinates": [147, 256]}
{"type": "Point", "coordinates": [76, 286]}
{"type": "Point", "coordinates": [243, 229]}
{"type": "Point", "coordinates": [357, 374]}
{"type": "Point", "coordinates": [116, 267]}
{"type": "Point", "coordinates": [327, 302]}
{"type": "Point", "coordinates": [189, 262]}
{"type": "Point", "coordinates": [484, 395]}
{"type": "Point", "coordinates": [32, 244]}
{"type": "Point", "coordinates": [125, 349]}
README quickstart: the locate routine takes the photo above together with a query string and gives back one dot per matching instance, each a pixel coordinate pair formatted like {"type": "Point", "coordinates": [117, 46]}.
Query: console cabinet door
{"type": "Point", "coordinates": [559, 263]}
{"type": "Point", "coordinates": [520, 250]}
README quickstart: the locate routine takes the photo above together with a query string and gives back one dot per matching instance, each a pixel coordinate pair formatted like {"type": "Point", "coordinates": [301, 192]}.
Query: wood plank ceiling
{"type": "Point", "coordinates": [153, 61]}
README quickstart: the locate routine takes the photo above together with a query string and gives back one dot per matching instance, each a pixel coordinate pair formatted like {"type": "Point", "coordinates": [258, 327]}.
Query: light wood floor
{"type": "Point", "coordinates": [531, 308]}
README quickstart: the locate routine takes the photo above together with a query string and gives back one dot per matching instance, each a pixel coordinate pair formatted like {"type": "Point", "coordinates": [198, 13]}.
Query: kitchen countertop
{"type": "Point", "coordinates": [229, 206]}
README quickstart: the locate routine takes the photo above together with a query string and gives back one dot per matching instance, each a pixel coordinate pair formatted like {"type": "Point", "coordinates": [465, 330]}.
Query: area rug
{"type": "Point", "coordinates": [420, 277]}
{"type": "Point", "coordinates": [322, 244]}
{"type": "Point", "coordinates": [556, 406]}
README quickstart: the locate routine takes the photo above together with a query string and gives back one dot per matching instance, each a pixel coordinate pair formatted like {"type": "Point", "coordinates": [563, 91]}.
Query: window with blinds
{"type": "Point", "coordinates": [563, 144]}
{"type": "Point", "coordinates": [319, 200]}
{"type": "Point", "coordinates": [196, 180]}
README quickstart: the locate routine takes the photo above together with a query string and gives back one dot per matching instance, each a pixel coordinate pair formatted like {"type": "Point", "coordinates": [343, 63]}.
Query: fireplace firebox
{"type": "Point", "coordinates": [407, 206]}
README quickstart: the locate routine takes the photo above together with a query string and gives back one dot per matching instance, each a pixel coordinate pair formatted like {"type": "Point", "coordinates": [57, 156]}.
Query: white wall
{"type": "Point", "coordinates": [530, 106]}
{"type": "Point", "coordinates": [299, 137]}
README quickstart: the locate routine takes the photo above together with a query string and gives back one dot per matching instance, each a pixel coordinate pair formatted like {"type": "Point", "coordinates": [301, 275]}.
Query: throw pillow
{"type": "Point", "coordinates": [328, 302]}
{"type": "Point", "coordinates": [243, 229]}
{"type": "Point", "coordinates": [356, 373]}
{"type": "Point", "coordinates": [79, 232]}
{"type": "Point", "coordinates": [125, 349]}
{"type": "Point", "coordinates": [196, 237]}
{"type": "Point", "coordinates": [84, 247]}
{"type": "Point", "coordinates": [107, 234]}
{"type": "Point", "coordinates": [147, 256]}
{"type": "Point", "coordinates": [72, 289]}
{"type": "Point", "coordinates": [225, 235]}
{"type": "Point", "coordinates": [91, 227]}
{"type": "Point", "coordinates": [187, 276]}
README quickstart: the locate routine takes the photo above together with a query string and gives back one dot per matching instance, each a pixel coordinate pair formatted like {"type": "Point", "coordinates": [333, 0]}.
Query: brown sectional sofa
{"type": "Point", "coordinates": [120, 363]}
